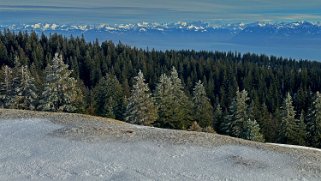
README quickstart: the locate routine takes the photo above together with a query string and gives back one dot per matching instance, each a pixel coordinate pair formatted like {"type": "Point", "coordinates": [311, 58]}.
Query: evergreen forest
{"type": "Point", "coordinates": [250, 96]}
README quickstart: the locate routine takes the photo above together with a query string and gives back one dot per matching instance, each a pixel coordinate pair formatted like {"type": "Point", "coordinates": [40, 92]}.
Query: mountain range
{"type": "Point", "coordinates": [300, 40]}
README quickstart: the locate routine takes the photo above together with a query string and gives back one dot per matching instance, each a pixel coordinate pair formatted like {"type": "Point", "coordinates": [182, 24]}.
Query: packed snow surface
{"type": "Point", "coordinates": [29, 150]}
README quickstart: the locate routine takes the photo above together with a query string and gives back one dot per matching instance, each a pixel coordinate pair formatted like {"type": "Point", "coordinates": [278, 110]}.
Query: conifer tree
{"type": "Point", "coordinates": [218, 118]}
{"type": "Point", "coordinates": [317, 133]}
{"type": "Point", "coordinates": [202, 108]}
{"type": "Point", "coordinates": [141, 107]}
{"type": "Point", "coordinates": [109, 98]}
{"type": "Point", "coordinates": [25, 90]}
{"type": "Point", "coordinates": [183, 107]}
{"type": "Point", "coordinates": [242, 115]}
{"type": "Point", "coordinates": [314, 123]}
{"type": "Point", "coordinates": [287, 132]}
{"type": "Point", "coordinates": [174, 107]}
{"type": "Point", "coordinates": [300, 129]}
{"type": "Point", "coordinates": [61, 91]}
{"type": "Point", "coordinates": [253, 131]}
{"type": "Point", "coordinates": [226, 125]}
{"type": "Point", "coordinates": [6, 90]}
{"type": "Point", "coordinates": [234, 122]}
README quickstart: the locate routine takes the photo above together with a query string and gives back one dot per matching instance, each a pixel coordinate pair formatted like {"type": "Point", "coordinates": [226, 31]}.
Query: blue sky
{"type": "Point", "coordinates": [131, 11]}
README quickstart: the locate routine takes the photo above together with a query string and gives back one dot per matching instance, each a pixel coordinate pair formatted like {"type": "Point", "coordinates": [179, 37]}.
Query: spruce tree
{"type": "Point", "coordinates": [287, 130]}
{"type": "Point", "coordinates": [229, 119]}
{"type": "Point", "coordinates": [317, 133]}
{"type": "Point", "coordinates": [183, 105]}
{"type": "Point", "coordinates": [61, 91]}
{"type": "Point", "coordinates": [26, 95]}
{"type": "Point", "coordinates": [253, 131]}
{"type": "Point", "coordinates": [174, 107]}
{"type": "Point", "coordinates": [218, 118]}
{"type": "Point", "coordinates": [314, 122]}
{"type": "Point", "coordinates": [165, 102]}
{"type": "Point", "coordinates": [242, 115]}
{"type": "Point", "coordinates": [141, 107]}
{"type": "Point", "coordinates": [202, 108]}
{"type": "Point", "coordinates": [300, 130]}
{"type": "Point", "coordinates": [6, 90]}
{"type": "Point", "coordinates": [234, 123]}
{"type": "Point", "coordinates": [109, 98]}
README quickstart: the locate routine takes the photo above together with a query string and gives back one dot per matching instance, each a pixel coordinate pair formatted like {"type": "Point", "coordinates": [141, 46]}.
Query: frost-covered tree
{"type": "Point", "coordinates": [6, 90]}
{"type": "Point", "coordinates": [109, 97]}
{"type": "Point", "coordinates": [61, 91]}
{"type": "Point", "coordinates": [202, 108]}
{"type": "Point", "coordinates": [253, 131]}
{"type": "Point", "coordinates": [141, 107]}
{"type": "Point", "coordinates": [287, 130]}
{"type": "Point", "coordinates": [174, 107]}
{"type": "Point", "coordinates": [234, 122]}
{"type": "Point", "coordinates": [25, 90]}
{"type": "Point", "coordinates": [165, 102]}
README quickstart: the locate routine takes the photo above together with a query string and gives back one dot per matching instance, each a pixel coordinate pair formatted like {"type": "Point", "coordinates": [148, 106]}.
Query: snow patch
{"type": "Point", "coordinates": [295, 146]}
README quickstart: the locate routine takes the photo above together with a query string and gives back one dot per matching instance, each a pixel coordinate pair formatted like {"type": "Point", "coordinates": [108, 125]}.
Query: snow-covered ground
{"type": "Point", "coordinates": [29, 151]}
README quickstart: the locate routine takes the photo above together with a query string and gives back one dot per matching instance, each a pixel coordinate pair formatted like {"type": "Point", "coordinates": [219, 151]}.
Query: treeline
{"type": "Point", "coordinates": [102, 78]}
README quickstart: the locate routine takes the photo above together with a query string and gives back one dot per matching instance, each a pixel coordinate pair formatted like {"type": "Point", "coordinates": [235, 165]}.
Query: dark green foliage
{"type": "Point", "coordinates": [174, 107]}
{"type": "Point", "coordinates": [313, 122]}
{"type": "Point", "coordinates": [292, 130]}
{"type": "Point", "coordinates": [109, 98]}
{"type": "Point", "coordinates": [202, 108]}
{"type": "Point", "coordinates": [235, 121]}
{"type": "Point", "coordinates": [252, 131]}
{"type": "Point", "coordinates": [218, 118]}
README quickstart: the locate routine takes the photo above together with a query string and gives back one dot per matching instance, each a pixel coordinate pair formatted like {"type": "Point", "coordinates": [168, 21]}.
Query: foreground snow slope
{"type": "Point", "coordinates": [45, 146]}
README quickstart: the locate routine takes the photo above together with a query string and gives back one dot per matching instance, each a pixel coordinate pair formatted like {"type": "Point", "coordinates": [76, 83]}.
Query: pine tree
{"type": "Point", "coordinates": [202, 108]}
{"type": "Point", "coordinates": [218, 118]}
{"type": "Point", "coordinates": [6, 90]}
{"type": "Point", "coordinates": [61, 91]}
{"type": "Point", "coordinates": [317, 118]}
{"type": "Point", "coordinates": [26, 95]}
{"type": "Point", "coordinates": [183, 106]}
{"type": "Point", "coordinates": [141, 107]}
{"type": "Point", "coordinates": [234, 122]}
{"type": "Point", "coordinates": [314, 123]}
{"type": "Point", "coordinates": [242, 114]}
{"type": "Point", "coordinates": [109, 98]}
{"type": "Point", "coordinates": [253, 131]}
{"type": "Point", "coordinates": [288, 122]}
{"type": "Point", "coordinates": [174, 107]}
{"type": "Point", "coordinates": [300, 130]}
{"type": "Point", "coordinates": [226, 125]}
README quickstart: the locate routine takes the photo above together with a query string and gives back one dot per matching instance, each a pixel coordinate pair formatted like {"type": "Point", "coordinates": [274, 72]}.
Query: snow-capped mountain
{"type": "Point", "coordinates": [295, 39]}
{"type": "Point", "coordinates": [284, 28]}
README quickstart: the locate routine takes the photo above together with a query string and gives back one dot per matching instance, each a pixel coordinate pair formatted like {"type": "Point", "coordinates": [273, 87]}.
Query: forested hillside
{"type": "Point", "coordinates": [249, 96]}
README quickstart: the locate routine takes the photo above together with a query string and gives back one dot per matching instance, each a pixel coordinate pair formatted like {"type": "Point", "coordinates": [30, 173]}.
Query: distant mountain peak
{"type": "Point", "coordinates": [197, 26]}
